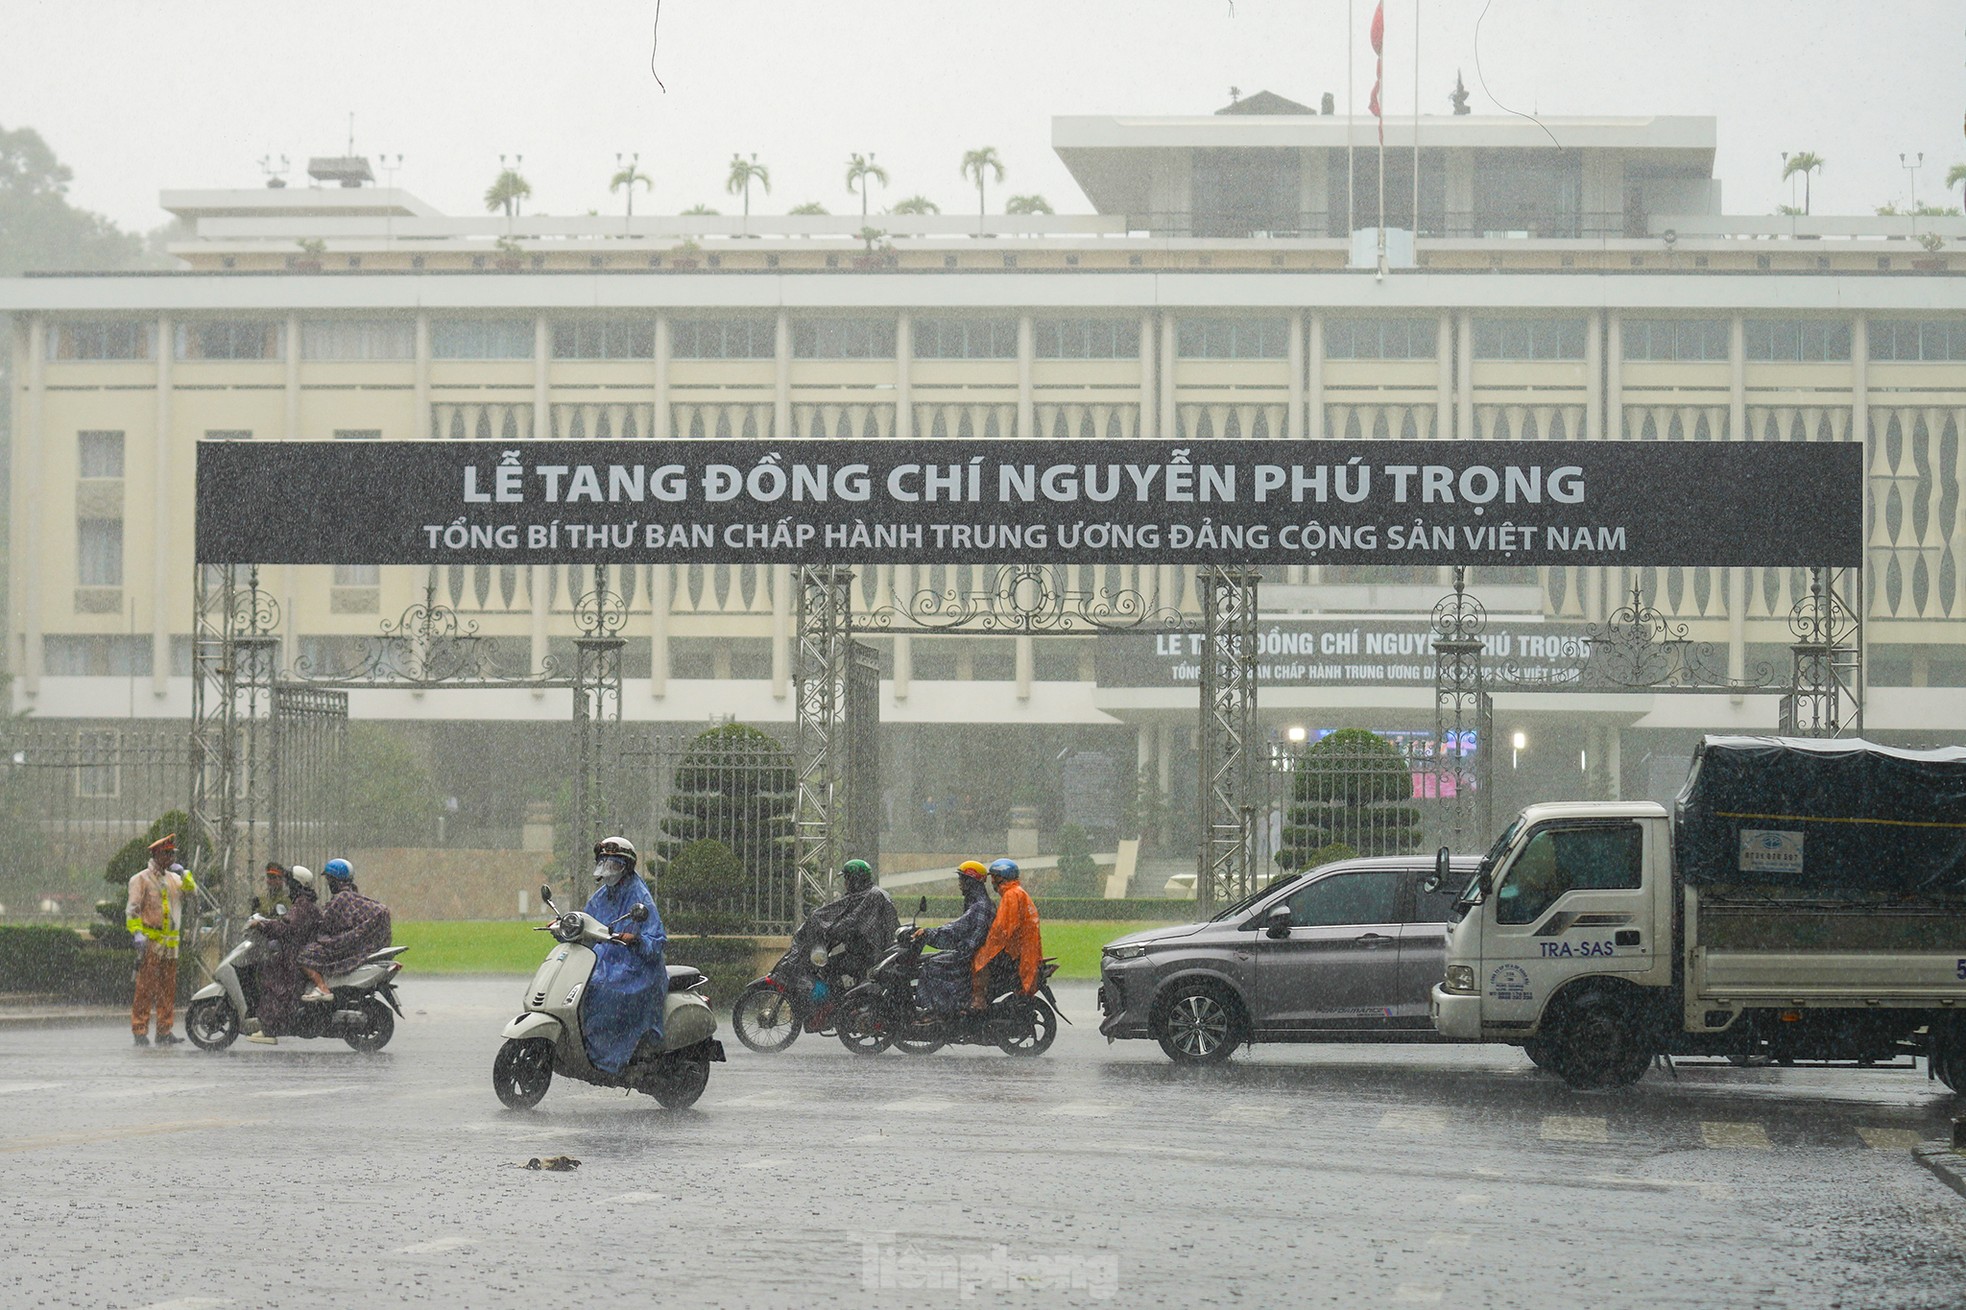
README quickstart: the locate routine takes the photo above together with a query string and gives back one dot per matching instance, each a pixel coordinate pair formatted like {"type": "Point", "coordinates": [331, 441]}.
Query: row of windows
{"type": "Point", "coordinates": [1562, 338]}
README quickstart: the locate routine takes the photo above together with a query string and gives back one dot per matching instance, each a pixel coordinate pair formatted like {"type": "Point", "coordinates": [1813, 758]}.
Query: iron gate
{"type": "Point", "coordinates": [862, 804]}
{"type": "Point", "coordinates": [308, 774]}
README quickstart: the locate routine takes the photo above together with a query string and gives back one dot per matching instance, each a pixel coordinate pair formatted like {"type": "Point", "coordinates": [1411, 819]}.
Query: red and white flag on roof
{"type": "Point", "coordinates": [1379, 71]}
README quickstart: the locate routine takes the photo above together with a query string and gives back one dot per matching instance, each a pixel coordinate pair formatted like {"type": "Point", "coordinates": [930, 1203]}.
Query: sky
{"type": "Point", "coordinates": [141, 95]}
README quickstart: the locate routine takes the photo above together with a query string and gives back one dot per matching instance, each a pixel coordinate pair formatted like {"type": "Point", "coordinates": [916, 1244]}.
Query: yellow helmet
{"type": "Point", "coordinates": [971, 869]}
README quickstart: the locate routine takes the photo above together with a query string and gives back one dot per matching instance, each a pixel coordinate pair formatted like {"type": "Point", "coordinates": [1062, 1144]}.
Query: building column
{"type": "Point", "coordinates": [1737, 379]}
{"type": "Point", "coordinates": [659, 576]}
{"type": "Point", "coordinates": [425, 428]}
{"type": "Point", "coordinates": [542, 430]}
{"type": "Point", "coordinates": [1594, 377]}
{"type": "Point", "coordinates": [28, 444]}
{"type": "Point", "coordinates": [904, 645]}
{"type": "Point", "coordinates": [1163, 758]}
{"type": "Point", "coordinates": [1464, 421]}
{"type": "Point", "coordinates": [1294, 420]}
{"type": "Point", "coordinates": [1614, 762]}
{"type": "Point", "coordinates": [1027, 409]}
{"type": "Point", "coordinates": [1614, 377]}
{"type": "Point", "coordinates": [1149, 425]}
{"type": "Point", "coordinates": [781, 630]}
{"type": "Point", "coordinates": [1026, 666]}
{"type": "Point", "coordinates": [659, 426]}
{"type": "Point", "coordinates": [293, 378]}
{"type": "Point", "coordinates": [781, 406]}
{"type": "Point", "coordinates": [1170, 421]}
{"type": "Point", "coordinates": [1444, 378]}
{"type": "Point", "coordinates": [1314, 392]}
{"type": "Point", "coordinates": [160, 510]}
{"type": "Point", "coordinates": [1860, 381]}
{"type": "Point", "coordinates": [904, 377]}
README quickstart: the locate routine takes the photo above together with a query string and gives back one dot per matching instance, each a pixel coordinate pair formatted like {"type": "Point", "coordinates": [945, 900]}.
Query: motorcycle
{"type": "Point", "coordinates": [886, 1010]}
{"type": "Point", "coordinates": [545, 1038]}
{"type": "Point", "coordinates": [801, 994]}
{"type": "Point", "coordinates": [363, 1013]}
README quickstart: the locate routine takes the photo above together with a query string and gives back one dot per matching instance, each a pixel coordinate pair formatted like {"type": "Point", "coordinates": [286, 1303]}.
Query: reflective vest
{"type": "Point", "coordinates": [155, 904]}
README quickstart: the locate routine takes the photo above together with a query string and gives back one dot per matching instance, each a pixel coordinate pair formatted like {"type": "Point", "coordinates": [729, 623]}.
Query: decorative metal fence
{"type": "Point", "coordinates": [71, 795]}
{"type": "Point", "coordinates": [1349, 792]}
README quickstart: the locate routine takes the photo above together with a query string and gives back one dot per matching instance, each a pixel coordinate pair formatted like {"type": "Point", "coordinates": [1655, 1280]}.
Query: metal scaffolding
{"type": "Point", "coordinates": [820, 690]}
{"type": "Point", "coordinates": [1463, 716]}
{"type": "Point", "coordinates": [1224, 868]}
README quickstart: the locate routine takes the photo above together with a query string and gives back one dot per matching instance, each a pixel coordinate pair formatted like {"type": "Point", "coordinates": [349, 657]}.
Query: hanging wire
{"type": "Point", "coordinates": [1491, 95]}
{"type": "Point", "coordinates": [655, 38]}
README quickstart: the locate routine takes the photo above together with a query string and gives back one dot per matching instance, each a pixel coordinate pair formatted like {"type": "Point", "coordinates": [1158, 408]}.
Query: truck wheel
{"type": "Point", "coordinates": [1947, 1056]}
{"type": "Point", "coordinates": [1595, 1046]}
{"type": "Point", "coordinates": [1199, 1023]}
{"type": "Point", "coordinates": [1538, 1052]}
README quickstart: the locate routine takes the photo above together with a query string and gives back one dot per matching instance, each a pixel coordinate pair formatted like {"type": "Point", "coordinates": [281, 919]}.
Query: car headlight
{"type": "Point", "coordinates": [1460, 978]}
{"type": "Point", "coordinates": [1124, 952]}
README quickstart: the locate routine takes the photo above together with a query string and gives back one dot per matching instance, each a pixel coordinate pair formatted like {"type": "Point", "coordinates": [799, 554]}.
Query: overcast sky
{"type": "Point", "coordinates": [139, 95]}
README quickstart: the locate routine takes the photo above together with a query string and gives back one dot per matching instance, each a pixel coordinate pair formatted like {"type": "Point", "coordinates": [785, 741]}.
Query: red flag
{"type": "Point", "coordinates": [1379, 71]}
{"type": "Point", "coordinates": [1372, 107]}
{"type": "Point", "coordinates": [1379, 29]}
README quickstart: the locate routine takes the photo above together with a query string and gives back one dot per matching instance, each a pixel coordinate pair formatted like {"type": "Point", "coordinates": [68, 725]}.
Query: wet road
{"type": "Point", "coordinates": [309, 1175]}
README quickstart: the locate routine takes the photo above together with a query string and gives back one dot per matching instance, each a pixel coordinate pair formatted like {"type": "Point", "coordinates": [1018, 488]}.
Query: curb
{"type": "Point", "coordinates": [1947, 1164]}
{"type": "Point", "coordinates": [58, 1016]}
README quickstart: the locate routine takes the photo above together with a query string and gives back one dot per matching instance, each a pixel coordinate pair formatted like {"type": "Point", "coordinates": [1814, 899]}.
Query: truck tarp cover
{"type": "Point", "coordinates": [1832, 819]}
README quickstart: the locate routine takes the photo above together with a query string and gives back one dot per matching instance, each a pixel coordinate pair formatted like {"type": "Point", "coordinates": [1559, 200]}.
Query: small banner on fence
{"type": "Point", "coordinates": [1338, 651]}
{"type": "Point", "coordinates": [1093, 502]}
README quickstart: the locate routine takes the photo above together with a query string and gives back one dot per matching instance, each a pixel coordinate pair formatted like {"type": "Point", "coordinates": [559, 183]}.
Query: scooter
{"type": "Point", "coordinates": [360, 1014]}
{"type": "Point", "coordinates": [545, 1038]}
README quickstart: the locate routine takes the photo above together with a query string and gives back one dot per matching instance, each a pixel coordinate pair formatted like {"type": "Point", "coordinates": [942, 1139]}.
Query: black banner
{"type": "Point", "coordinates": [1148, 502]}
{"type": "Point", "coordinates": [1337, 651]}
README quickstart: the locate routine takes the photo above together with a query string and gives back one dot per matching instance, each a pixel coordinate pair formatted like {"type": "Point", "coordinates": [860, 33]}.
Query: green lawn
{"type": "Point", "coordinates": [497, 947]}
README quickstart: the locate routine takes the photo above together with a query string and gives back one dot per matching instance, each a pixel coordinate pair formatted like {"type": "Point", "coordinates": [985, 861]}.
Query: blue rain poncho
{"type": "Point", "coordinates": [945, 977]}
{"type": "Point", "coordinates": [624, 998]}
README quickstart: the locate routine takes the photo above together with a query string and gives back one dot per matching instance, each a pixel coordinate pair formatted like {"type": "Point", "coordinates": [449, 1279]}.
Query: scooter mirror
{"type": "Point", "coordinates": [921, 906]}
{"type": "Point", "coordinates": [640, 913]}
{"type": "Point", "coordinates": [546, 894]}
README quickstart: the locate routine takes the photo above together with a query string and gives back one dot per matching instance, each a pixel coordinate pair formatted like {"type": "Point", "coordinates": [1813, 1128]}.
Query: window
{"type": "Point", "coordinates": [1529, 338]}
{"type": "Point", "coordinates": [1908, 339]}
{"type": "Point", "coordinates": [1435, 906]}
{"type": "Point", "coordinates": [228, 434]}
{"type": "Point", "coordinates": [99, 455]}
{"type": "Point", "coordinates": [604, 338]}
{"type": "Point", "coordinates": [99, 552]}
{"type": "Point", "coordinates": [358, 434]}
{"type": "Point", "coordinates": [1342, 899]}
{"type": "Point", "coordinates": [1559, 860]}
{"type": "Point", "coordinates": [965, 338]}
{"type": "Point", "coordinates": [357, 339]}
{"type": "Point", "coordinates": [723, 338]}
{"type": "Point", "coordinates": [1684, 339]}
{"type": "Point", "coordinates": [357, 575]}
{"type": "Point", "coordinates": [1381, 338]}
{"type": "Point", "coordinates": [1086, 338]}
{"type": "Point", "coordinates": [1798, 340]}
{"type": "Point", "coordinates": [481, 338]}
{"type": "Point", "coordinates": [844, 338]}
{"type": "Point", "coordinates": [96, 657]}
{"type": "Point", "coordinates": [228, 339]}
{"type": "Point", "coordinates": [1232, 338]}
{"type": "Point", "coordinates": [124, 339]}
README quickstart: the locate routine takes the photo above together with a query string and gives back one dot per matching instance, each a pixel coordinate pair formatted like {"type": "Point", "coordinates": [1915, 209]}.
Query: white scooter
{"type": "Point", "coordinates": [545, 1039]}
{"type": "Point", "coordinates": [360, 1013]}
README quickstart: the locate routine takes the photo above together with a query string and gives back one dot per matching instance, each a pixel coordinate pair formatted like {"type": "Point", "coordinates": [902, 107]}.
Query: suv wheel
{"type": "Point", "coordinates": [1199, 1023]}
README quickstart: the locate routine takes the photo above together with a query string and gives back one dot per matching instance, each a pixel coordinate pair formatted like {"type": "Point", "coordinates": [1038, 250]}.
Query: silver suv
{"type": "Point", "coordinates": [1347, 952]}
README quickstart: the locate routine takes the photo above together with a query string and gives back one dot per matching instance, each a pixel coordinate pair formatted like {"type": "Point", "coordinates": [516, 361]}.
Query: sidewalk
{"type": "Point", "coordinates": [34, 1010]}
{"type": "Point", "coordinates": [1947, 1162]}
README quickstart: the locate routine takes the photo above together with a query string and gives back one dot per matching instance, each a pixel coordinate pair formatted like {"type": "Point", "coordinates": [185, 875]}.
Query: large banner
{"type": "Point", "coordinates": [1149, 502]}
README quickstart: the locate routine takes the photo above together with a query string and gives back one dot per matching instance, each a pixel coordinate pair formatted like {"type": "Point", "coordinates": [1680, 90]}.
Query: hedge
{"type": "Point", "coordinates": [58, 962]}
{"type": "Point", "coordinates": [1128, 909]}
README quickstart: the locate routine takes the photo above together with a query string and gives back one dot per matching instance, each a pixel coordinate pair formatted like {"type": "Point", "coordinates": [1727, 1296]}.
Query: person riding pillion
{"type": "Point", "coordinates": [1013, 936]}
{"type": "Point", "coordinates": [151, 915]}
{"type": "Point", "coordinates": [623, 1001]}
{"type": "Point", "coordinates": [945, 977]}
{"type": "Point", "coordinates": [353, 927]}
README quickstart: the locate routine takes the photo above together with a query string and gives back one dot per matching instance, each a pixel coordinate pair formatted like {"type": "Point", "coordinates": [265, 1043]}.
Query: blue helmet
{"type": "Point", "coordinates": [1006, 869]}
{"type": "Point", "coordinates": [338, 869]}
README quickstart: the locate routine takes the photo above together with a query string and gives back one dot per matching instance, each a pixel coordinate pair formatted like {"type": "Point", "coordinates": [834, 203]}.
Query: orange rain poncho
{"type": "Point", "coordinates": [1015, 933]}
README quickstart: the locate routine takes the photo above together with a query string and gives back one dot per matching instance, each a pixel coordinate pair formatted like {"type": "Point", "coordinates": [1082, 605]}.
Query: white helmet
{"type": "Point", "coordinates": [301, 876]}
{"type": "Point", "coordinates": [614, 859]}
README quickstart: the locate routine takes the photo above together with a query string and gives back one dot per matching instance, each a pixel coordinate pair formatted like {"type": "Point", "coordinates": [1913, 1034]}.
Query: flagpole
{"type": "Point", "coordinates": [1379, 91]}
{"type": "Point", "coordinates": [1416, 120]}
{"type": "Point", "coordinates": [1351, 99]}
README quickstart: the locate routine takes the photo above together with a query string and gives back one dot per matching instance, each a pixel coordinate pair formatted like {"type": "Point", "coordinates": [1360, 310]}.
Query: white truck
{"type": "Point", "coordinates": [1803, 900]}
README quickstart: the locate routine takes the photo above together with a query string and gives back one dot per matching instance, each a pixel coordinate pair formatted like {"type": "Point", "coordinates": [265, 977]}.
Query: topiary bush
{"type": "Point", "coordinates": [701, 891]}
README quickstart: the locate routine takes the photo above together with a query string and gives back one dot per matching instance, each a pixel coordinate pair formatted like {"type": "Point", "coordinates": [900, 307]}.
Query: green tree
{"type": "Point", "coordinates": [699, 209]}
{"type": "Point", "coordinates": [1956, 177]}
{"type": "Point", "coordinates": [1352, 788]}
{"type": "Point", "coordinates": [703, 890]}
{"type": "Point", "coordinates": [809, 207]}
{"type": "Point", "coordinates": [1805, 162]}
{"type": "Point", "coordinates": [916, 205]}
{"type": "Point", "coordinates": [743, 173]}
{"type": "Point", "coordinates": [506, 192]}
{"type": "Point", "coordinates": [39, 229]}
{"type": "Point", "coordinates": [1032, 204]}
{"type": "Point", "coordinates": [391, 798]}
{"type": "Point", "coordinates": [1078, 872]}
{"type": "Point", "coordinates": [859, 171]}
{"type": "Point", "coordinates": [737, 786]}
{"type": "Point", "coordinates": [978, 165]}
{"type": "Point", "coordinates": [626, 178]}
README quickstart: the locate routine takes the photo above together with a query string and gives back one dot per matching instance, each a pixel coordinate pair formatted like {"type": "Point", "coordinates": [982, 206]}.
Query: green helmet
{"type": "Point", "coordinates": [859, 875]}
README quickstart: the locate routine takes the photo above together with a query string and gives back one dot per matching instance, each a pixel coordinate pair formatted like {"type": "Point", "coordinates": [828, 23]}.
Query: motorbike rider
{"type": "Point", "coordinates": [287, 935]}
{"type": "Point", "coordinates": [945, 977]}
{"type": "Point", "coordinates": [1010, 955]}
{"type": "Point", "coordinates": [275, 897]}
{"type": "Point", "coordinates": [623, 1002]}
{"type": "Point", "coordinates": [353, 927]}
{"type": "Point", "coordinates": [863, 920]}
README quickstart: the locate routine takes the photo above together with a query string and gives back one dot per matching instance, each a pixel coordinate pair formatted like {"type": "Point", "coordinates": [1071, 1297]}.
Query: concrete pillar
{"type": "Point", "coordinates": [781, 411]}
{"type": "Point", "coordinates": [1860, 379]}
{"type": "Point", "coordinates": [658, 631]}
{"type": "Point", "coordinates": [659, 429]}
{"type": "Point", "coordinates": [1027, 409]}
{"type": "Point", "coordinates": [1444, 378]}
{"type": "Point", "coordinates": [1149, 404]}
{"type": "Point", "coordinates": [904, 645]}
{"type": "Point", "coordinates": [781, 630]}
{"type": "Point", "coordinates": [1164, 758]}
{"type": "Point", "coordinates": [1614, 762]}
{"type": "Point", "coordinates": [1737, 625]}
{"type": "Point", "coordinates": [1294, 422]}
{"type": "Point", "coordinates": [160, 526]}
{"type": "Point", "coordinates": [904, 377]}
{"type": "Point", "coordinates": [542, 430]}
{"type": "Point", "coordinates": [1314, 389]}
{"type": "Point", "coordinates": [1614, 377]}
{"type": "Point", "coordinates": [1170, 423]}
{"type": "Point", "coordinates": [1737, 380]}
{"type": "Point", "coordinates": [1026, 665]}
{"type": "Point", "coordinates": [293, 378]}
{"type": "Point", "coordinates": [1464, 422]}
{"type": "Point", "coordinates": [424, 428]}
{"type": "Point", "coordinates": [29, 461]}
{"type": "Point", "coordinates": [1594, 377]}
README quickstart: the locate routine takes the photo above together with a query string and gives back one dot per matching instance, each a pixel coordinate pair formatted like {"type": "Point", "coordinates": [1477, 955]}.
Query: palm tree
{"type": "Point", "coordinates": [627, 176]}
{"type": "Point", "coordinates": [699, 209]}
{"type": "Point", "coordinates": [858, 170]}
{"type": "Point", "coordinates": [1956, 177]}
{"type": "Point", "coordinates": [506, 191]}
{"type": "Point", "coordinates": [977, 164]}
{"type": "Point", "coordinates": [917, 205]}
{"type": "Point", "coordinates": [1028, 205]}
{"type": "Point", "coordinates": [1804, 162]}
{"type": "Point", "coordinates": [742, 173]}
{"type": "Point", "coordinates": [809, 207]}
